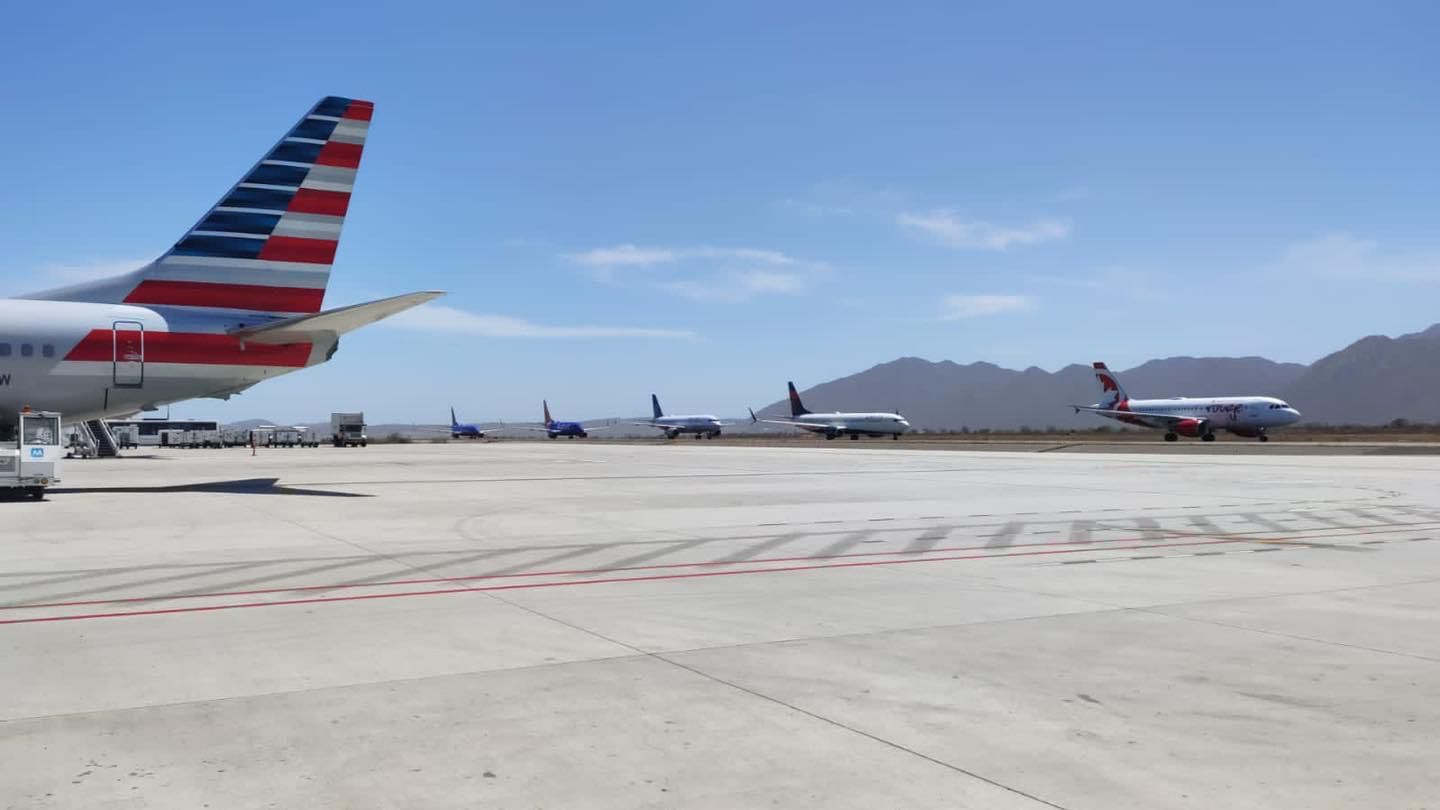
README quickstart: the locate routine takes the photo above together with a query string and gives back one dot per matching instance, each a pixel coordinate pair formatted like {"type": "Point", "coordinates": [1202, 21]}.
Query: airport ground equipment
{"type": "Point", "coordinates": [127, 436]}
{"type": "Point", "coordinates": [348, 430]}
{"type": "Point", "coordinates": [32, 462]}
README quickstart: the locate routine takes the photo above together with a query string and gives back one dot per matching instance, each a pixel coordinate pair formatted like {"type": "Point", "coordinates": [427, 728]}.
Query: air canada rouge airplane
{"type": "Point", "coordinates": [836, 424]}
{"type": "Point", "coordinates": [237, 300]}
{"type": "Point", "coordinates": [1191, 416]}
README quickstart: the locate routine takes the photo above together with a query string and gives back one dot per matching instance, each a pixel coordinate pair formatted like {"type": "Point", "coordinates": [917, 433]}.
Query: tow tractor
{"type": "Point", "coordinates": [31, 463]}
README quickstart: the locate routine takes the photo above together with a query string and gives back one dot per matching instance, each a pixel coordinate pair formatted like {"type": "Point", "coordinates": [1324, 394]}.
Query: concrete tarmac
{"type": "Point", "coordinates": [588, 625]}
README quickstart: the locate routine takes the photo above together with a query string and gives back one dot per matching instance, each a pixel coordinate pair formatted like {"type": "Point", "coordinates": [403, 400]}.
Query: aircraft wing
{"type": "Point", "coordinates": [589, 428]}
{"type": "Point", "coordinates": [804, 425]}
{"type": "Point", "coordinates": [1164, 418]}
{"type": "Point", "coordinates": [332, 322]}
{"type": "Point", "coordinates": [536, 428]}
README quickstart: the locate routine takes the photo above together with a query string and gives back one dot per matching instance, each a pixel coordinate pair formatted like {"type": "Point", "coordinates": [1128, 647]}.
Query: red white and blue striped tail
{"type": "Point", "coordinates": [268, 244]}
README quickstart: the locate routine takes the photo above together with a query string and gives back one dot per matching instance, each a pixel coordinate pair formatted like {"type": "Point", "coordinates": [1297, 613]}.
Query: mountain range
{"type": "Point", "coordinates": [1370, 382]}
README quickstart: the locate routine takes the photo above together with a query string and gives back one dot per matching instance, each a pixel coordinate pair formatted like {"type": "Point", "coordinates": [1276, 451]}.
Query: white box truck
{"type": "Point", "coordinates": [348, 430]}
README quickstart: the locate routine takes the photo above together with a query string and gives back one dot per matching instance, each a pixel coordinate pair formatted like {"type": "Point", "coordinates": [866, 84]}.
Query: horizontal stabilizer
{"type": "Point", "coordinates": [332, 322]}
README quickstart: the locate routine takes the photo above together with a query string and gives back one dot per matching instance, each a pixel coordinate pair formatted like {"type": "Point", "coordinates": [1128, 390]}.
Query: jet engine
{"type": "Point", "coordinates": [1191, 427]}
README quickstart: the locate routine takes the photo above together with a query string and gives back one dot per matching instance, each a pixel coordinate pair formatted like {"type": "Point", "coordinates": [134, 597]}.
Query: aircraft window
{"type": "Point", "coordinates": [47, 350]}
{"type": "Point", "coordinates": [26, 350]}
{"type": "Point", "coordinates": [4, 349]}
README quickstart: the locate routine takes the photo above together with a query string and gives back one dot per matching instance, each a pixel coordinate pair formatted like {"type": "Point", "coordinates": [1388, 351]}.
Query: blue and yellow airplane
{"type": "Point", "coordinates": [555, 430]}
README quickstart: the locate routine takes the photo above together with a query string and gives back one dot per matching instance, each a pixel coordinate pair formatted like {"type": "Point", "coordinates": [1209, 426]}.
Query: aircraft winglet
{"type": "Point", "coordinates": [334, 321]}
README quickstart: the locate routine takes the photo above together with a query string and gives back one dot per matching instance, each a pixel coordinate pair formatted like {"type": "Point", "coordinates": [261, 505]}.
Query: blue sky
{"type": "Point", "coordinates": [707, 200]}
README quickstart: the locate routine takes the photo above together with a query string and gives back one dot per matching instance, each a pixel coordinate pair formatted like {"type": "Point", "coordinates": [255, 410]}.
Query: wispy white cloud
{"type": "Point", "coordinates": [703, 272]}
{"type": "Point", "coordinates": [844, 198]}
{"type": "Point", "coordinates": [628, 255]}
{"type": "Point", "coordinates": [625, 255]}
{"type": "Point", "coordinates": [450, 320]}
{"type": "Point", "coordinates": [946, 226]}
{"type": "Point", "coordinates": [960, 307]}
{"type": "Point", "coordinates": [1121, 282]}
{"type": "Point", "coordinates": [740, 286]}
{"type": "Point", "coordinates": [1344, 256]}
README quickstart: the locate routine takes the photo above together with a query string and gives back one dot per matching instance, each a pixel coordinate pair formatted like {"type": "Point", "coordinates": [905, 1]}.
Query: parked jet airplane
{"type": "Point", "coordinates": [236, 301]}
{"type": "Point", "coordinates": [1191, 416]}
{"type": "Point", "coordinates": [555, 429]}
{"type": "Point", "coordinates": [460, 430]}
{"type": "Point", "coordinates": [704, 426]}
{"type": "Point", "coordinates": [835, 424]}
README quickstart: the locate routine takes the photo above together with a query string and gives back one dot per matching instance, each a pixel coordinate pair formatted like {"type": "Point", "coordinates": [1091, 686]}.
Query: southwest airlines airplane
{"type": "Point", "coordinates": [703, 426]}
{"type": "Point", "coordinates": [554, 429]}
{"type": "Point", "coordinates": [237, 300]}
{"type": "Point", "coordinates": [835, 424]}
{"type": "Point", "coordinates": [1191, 416]}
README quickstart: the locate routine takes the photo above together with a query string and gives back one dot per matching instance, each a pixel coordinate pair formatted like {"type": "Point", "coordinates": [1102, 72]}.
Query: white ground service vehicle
{"type": "Point", "coordinates": [348, 429]}
{"type": "Point", "coordinates": [172, 437]}
{"type": "Point", "coordinates": [202, 438]}
{"type": "Point", "coordinates": [32, 463]}
{"type": "Point", "coordinates": [308, 436]}
{"type": "Point", "coordinates": [127, 437]}
{"type": "Point", "coordinates": [283, 437]}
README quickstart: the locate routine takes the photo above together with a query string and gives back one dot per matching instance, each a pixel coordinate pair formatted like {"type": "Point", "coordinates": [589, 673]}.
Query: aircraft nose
{"type": "Point", "coordinates": [1293, 414]}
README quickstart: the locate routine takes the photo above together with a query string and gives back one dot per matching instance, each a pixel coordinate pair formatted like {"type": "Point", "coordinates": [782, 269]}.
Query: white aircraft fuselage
{"type": "Point", "coordinates": [699, 423]}
{"type": "Point", "coordinates": [1239, 415]}
{"type": "Point", "coordinates": [89, 360]}
{"type": "Point", "coordinates": [855, 424]}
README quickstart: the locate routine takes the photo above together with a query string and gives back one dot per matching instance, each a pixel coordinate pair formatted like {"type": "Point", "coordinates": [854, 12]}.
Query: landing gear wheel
{"type": "Point", "coordinates": [854, 437]}
{"type": "Point", "coordinates": [1208, 437]}
{"type": "Point", "coordinates": [1172, 437]}
{"type": "Point", "coordinates": [1264, 438]}
{"type": "Point", "coordinates": [35, 493]}
{"type": "Point", "coordinates": [895, 437]}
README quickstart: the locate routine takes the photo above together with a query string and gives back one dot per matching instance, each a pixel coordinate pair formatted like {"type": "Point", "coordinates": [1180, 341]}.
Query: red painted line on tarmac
{"type": "Point", "coordinates": [387, 583]}
{"type": "Point", "coordinates": [1093, 545]}
{"type": "Point", "coordinates": [578, 582]}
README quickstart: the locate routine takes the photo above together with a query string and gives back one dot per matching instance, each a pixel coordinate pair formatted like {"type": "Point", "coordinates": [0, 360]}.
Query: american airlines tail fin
{"type": "Point", "coordinates": [655, 406]}
{"type": "Point", "coordinates": [1109, 386]}
{"type": "Point", "coordinates": [267, 245]}
{"type": "Point", "coordinates": [546, 406]}
{"type": "Point", "coordinates": [797, 408]}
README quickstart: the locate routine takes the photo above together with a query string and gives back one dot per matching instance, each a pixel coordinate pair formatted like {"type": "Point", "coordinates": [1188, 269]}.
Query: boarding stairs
{"type": "Point", "coordinates": [100, 438]}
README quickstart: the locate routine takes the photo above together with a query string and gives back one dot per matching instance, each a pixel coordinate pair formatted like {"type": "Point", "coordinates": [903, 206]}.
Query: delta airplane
{"type": "Point", "coordinates": [703, 426]}
{"type": "Point", "coordinates": [236, 301]}
{"type": "Point", "coordinates": [555, 430]}
{"type": "Point", "coordinates": [854, 425]}
{"type": "Point", "coordinates": [1250, 417]}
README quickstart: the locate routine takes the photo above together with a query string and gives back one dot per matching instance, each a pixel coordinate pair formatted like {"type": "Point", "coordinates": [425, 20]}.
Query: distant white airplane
{"type": "Point", "coordinates": [839, 423]}
{"type": "Point", "coordinates": [1191, 416]}
{"type": "Point", "coordinates": [703, 426]}
{"type": "Point", "coordinates": [236, 301]}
